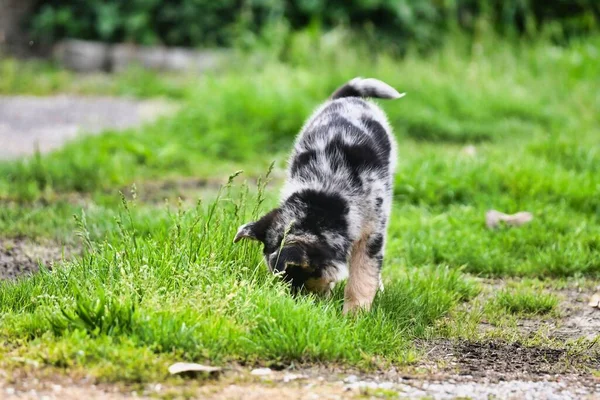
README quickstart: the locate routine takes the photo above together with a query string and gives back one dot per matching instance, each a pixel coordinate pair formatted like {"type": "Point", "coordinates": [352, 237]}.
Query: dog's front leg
{"type": "Point", "coordinates": [364, 275]}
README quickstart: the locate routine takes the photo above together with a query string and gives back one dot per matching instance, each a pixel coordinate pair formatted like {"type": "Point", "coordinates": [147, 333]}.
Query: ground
{"type": "Point", "coordinates": [30, 123]}
{"type": "Point", "coordinates": [116, 257]}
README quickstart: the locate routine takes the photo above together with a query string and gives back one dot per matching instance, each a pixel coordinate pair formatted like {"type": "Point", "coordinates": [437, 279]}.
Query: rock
{"type": "Point", "coordinates": [292, 377]}
{"type": "Point", "coordinates": [469, 150]}
{"type": "Point", "coordinates": [182, 367]}
{"type": "Point", "coordinates": [153, 57]}
{"type": "Point", "coordinates": [211, 59]}
{"type": "Point", "coordinates": [82, 55]}
{"type": "Point", "coordinates": [123, 56]}
{"type": "Point", "coordinates": [261, 372]}
{"type": "Point", "coordinates": [595, 301]}
{"type": "Point", "coordinates": [493, 218]}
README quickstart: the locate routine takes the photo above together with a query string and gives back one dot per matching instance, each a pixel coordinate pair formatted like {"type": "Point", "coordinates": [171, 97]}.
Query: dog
{"type": "Point", "coordinates": [332, 220]}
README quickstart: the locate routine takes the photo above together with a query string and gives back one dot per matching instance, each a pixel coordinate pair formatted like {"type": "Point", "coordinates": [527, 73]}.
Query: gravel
{"type": "Point", "coordinates": [451, 389]}
{"type": "Point", "coordinates": [280, 386]}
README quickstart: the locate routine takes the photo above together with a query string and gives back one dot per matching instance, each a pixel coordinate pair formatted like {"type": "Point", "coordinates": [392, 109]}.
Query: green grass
{"type": "Point", "coordinates": [526, 302]}
{"type": "Point", "coordinates": [157, 283]}
{"type": "Point", "coordinates": [39, 78]}
{"type": "Point", "coordinates": [524, 299]}
{"type": "Point", "coordinates": [184, 289]}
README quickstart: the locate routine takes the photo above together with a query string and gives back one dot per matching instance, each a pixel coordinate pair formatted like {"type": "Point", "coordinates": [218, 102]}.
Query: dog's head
{"type": "Point", "coordinates": [300, 258]}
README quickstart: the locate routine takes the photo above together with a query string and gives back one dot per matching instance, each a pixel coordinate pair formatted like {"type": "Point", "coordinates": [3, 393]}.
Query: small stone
{"type": "Point", "coordinates": [595, 301]}
{"type": "Point", "coordinates": [292, 377]}
{"type": "Point", "coordinates": [493, 218]}
{"type": "Point", "coordinates": [469, 150]}
{"type": "Point", "coordinates": [180, 367]}
{"type": "Point", "coordinates": [351, 379]}
{"type": "Point", "coordinates": [261, 372]}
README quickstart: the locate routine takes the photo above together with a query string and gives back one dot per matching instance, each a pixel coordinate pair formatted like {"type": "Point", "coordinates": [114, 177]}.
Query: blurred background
{"type": "Point", "coordinates": [205, 23]}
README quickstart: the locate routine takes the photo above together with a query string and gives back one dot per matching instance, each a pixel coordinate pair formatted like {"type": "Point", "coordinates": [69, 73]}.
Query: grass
{"type": "Point", "coordinates": [525, 298]}
{"type": "Point", "coordinates": [186, 290]}
{"type": "Point", "coordinates": [159, 283]}
{"type": "Point", "coordinates": [39, 78]}
{"type": "Point", "coordinates": [525, 302]}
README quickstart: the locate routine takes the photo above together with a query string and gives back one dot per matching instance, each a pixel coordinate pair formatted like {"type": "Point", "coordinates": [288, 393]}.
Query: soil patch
{"type": "Point", "coordinates": [574, 319]}
{"type": "Point", "coordinates": [507, 359]}
{"type": "Point", "coordinates": [20, 257]}
{"type": "Point", "coordinates": [579, 320]}
{"type": "Point", "coordinates": [500, 361]}
{"type": "Point", "coordinates": [187, 190]}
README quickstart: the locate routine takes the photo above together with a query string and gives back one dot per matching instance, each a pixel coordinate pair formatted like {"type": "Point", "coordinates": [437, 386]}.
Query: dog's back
{"type": "Point", "coordinates": [347, 148]}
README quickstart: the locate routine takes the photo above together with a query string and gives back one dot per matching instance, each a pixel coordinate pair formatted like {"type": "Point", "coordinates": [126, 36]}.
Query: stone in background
{"type": "Point", "coordinates": [89, 56]}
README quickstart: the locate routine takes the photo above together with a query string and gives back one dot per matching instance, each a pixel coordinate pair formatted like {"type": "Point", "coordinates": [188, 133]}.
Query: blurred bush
{"type": "Point", "coordinates": [223, 22]}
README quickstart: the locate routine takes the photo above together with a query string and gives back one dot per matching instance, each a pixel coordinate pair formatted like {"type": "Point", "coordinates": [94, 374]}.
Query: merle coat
{"type": "Point", "coordinates": [335, 205]}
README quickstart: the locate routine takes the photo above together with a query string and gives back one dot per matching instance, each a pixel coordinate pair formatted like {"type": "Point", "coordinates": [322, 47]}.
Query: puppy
{"type": "Point", "coordinates": [332, 219]}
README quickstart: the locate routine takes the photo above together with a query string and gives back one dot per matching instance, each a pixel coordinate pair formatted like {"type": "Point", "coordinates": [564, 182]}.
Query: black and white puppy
{"type": "Point", "coordinates": [332, 220]}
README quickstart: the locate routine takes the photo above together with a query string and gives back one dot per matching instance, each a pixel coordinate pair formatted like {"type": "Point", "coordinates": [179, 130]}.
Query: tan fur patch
{"type": "Point", "coordinates": [363, 280]}
{"type": "Point", "coordinates": [321, 286]}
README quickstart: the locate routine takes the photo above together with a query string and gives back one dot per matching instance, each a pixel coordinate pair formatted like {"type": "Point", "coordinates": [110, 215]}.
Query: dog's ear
{"type": "Point", "coordinates": [291, 255]}
{"type": "Point", "coordinates": [257, 230]}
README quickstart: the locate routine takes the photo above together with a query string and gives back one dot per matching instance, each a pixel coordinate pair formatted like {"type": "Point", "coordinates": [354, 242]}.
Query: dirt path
{"type": "Point", "coordinates": [315, 384]}
{"type": "Point", "coordinates": [48, 122]}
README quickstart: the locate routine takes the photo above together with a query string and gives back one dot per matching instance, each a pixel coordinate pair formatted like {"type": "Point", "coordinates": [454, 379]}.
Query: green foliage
{"type": "Point", "coordinates": [99, 315]}
{"type": "Point", "coordinates": [206, 22]}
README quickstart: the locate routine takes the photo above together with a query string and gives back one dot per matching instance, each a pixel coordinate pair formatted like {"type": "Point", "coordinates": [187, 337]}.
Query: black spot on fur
{"type": "Point", "coordinates": [379, 136]}
{"type": "Point", "coordinates": [378, 203]}
{"type": "Point", "coordinates": [324, 212]}
{"type": "Point", "coordinates": [356, 158]}
{"type": "Point", "coordinates": [375, 245]}
{"type": "Point", "coordinates": [302, 160]}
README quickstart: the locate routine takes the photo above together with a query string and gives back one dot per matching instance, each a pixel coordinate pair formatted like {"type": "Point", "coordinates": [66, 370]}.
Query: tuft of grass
{"type": "Point", "coordinates": [525, 301]}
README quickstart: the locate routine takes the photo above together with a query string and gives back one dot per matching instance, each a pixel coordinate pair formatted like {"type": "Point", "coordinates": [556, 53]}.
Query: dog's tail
{"type": "Point", "coordinates": [359, 87]}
